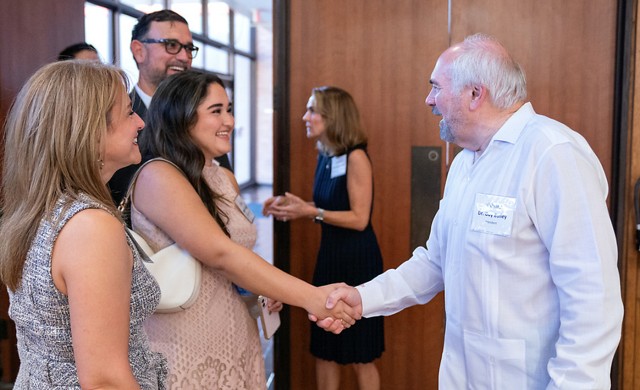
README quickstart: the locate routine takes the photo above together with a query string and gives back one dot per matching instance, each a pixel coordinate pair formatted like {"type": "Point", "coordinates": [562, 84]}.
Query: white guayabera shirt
{"type": "Point", "coordinates": [524, 249]}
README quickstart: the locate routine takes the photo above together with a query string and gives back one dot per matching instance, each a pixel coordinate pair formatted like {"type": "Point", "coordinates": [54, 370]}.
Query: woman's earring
{"type": "Point", "coordinates": [101, 163]}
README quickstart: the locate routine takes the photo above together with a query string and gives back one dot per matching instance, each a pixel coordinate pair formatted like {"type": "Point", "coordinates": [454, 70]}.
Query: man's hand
{"type": "Point", "coordinates": [340, 294]}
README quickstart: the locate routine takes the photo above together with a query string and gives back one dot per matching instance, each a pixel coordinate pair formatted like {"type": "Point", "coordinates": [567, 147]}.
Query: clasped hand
{"type": "Point", "coordinates": [341, 300]}
{"type": "Point", "coordinates": [288, 207]}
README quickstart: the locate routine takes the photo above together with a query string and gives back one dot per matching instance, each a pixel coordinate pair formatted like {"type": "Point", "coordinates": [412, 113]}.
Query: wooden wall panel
{"type": "Point", "coordinates": [33, 33]}
{"type": "Point", "coordinates": [382, 52]}
{"type": "Point", "coordinates": [569, 64]}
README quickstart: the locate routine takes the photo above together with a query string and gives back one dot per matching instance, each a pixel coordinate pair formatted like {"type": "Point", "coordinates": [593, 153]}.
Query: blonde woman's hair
{"type": "Point", "coordinates": [343, 129]}
{"type": "Point", "coordinates": [53, 148]}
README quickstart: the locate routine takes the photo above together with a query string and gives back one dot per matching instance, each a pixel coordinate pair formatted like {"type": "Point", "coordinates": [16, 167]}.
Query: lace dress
{"type": "Point", "coordinates": [215, 343]}
{"type": "Point", "coordinates": [41, 314]}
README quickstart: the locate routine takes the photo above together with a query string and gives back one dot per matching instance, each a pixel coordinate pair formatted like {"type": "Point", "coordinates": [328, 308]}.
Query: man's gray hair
{"type": "Point", "coordinates": [482, 60]}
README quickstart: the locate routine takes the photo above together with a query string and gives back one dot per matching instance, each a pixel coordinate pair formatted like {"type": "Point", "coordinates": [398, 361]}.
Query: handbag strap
{"type": "Point", "coordinates": [123, 203]}
{"type": "Point", "coordinates": [143, 255]}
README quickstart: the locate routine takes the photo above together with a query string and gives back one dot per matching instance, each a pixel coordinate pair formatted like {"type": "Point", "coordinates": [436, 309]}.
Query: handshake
{"type": "Point", "coordinates": [342, 307]}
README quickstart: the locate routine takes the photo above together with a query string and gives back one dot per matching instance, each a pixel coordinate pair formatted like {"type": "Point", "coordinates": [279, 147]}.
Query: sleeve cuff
{"type": "Point", "coordinates": [372, 298]}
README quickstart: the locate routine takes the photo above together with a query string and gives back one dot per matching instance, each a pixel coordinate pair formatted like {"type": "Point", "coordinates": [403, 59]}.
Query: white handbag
{"type": "Point", "coordinates": [175, 270]}
{"type": "Point", "coordinates": [177, 273]}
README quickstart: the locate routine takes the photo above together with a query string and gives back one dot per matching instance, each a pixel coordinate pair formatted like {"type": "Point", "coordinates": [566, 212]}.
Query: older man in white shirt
{"type": "Point", "coordinates": [522, 244]}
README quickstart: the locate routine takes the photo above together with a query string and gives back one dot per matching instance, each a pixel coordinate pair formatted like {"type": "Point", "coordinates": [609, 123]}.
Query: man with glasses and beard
{"type": "Point", "coordinates": [162, 45]}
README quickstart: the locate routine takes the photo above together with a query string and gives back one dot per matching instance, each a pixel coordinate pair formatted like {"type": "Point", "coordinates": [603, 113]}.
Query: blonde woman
{"type": "Point", "coordinates": [77, 287]}
{"type": "Point", "coordinates": [349, 251]}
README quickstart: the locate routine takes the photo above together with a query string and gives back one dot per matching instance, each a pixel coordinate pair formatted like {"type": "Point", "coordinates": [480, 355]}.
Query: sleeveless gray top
{"type": "Point", "coordinates": [41, 314]}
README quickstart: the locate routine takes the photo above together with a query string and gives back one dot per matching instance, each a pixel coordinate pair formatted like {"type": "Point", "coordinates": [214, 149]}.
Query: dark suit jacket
{"type": "Point", "coordinates": [119, 182]}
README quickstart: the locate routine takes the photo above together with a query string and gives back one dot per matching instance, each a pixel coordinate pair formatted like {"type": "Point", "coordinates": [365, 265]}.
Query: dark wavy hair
{"type": "Point", "coordinates": [171, 116]}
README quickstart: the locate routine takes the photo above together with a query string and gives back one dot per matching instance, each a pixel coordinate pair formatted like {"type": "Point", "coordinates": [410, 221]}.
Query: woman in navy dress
{"type": "Point", "coordinates": [349, 251]}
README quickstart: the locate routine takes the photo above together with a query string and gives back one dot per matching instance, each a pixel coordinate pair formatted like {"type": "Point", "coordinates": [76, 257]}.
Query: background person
{"type": "Point", "coordinates": [349, 251]}
{"type": "Point", "coordinates": [77, 287]}
{"type": "Point", "coordinates": [213, 344]}
{"type": "Point", "coordinates": [79, 51]}
{"type": "Point", "coordinates": [522, 244]}
{"type": "Point", "coordinates": [162, 45]}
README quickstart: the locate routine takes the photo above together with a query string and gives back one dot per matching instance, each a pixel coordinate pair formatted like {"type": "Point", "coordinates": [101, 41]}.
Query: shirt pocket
{"type": "Point", "coordinates": [494, 363]}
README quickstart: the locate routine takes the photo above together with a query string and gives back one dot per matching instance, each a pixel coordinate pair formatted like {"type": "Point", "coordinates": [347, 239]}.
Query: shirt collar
{"type": "Point", "coordinates": [146, 99]}
{"type": "Point", "coordinates": [509, 132]}
{"type": "Point", "coordinates": [512, 128]}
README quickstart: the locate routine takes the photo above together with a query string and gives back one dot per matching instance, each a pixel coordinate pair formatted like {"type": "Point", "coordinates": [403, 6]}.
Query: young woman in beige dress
{"type": "Point", "coordinates": [191, 201]}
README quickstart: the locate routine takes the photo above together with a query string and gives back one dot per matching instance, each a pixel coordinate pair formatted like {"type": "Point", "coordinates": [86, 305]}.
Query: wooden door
{"type": "Point", "coordinates": [382, 53]}
{"type": "Point", "coordinates": [629, 350]}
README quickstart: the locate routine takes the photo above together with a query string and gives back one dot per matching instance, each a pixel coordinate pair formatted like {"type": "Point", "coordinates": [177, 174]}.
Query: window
{"type": "Point", "coordinates": [125, 57]}
{"type": "Point", "coordinates": [98, 30]}
{"type": "Point", "coordinates": [242, 109]}
{"type": "Point", "coordinates": [190, 10]}
{"type": "Point", "coordinates": [225, 36]}
{"type": "Point", "coordinates": [242, 32]}
{"type": "Point", "coordinates": [146, 6]}
{"type": "Point", "coordinates": [218, 27]}
{"type": "Point", "coordinates": [216, 60]}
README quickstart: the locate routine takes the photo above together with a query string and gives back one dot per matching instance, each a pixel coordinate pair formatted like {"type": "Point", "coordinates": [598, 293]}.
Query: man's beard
{"type": "Point", "coordinates": [445, 132]}
{"type": "Point", "coordinates": [158, 75]}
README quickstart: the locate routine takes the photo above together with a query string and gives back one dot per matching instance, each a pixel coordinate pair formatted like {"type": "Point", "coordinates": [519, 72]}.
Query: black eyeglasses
{"type": "Point", "coordinates": [173, 46]}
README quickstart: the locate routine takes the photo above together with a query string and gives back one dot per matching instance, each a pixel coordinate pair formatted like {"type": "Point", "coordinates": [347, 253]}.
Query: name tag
{"type": "Point", "coordinates": [246, 211]}
{"type": "Point", "coordinates": [493, 214]}
{"type": "Point", "coordinates": [338, 166]}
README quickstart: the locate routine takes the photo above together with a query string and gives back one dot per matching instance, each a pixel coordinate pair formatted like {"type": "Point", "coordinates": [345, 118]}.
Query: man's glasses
{"type": "Point", "coordinates": [173, 46]}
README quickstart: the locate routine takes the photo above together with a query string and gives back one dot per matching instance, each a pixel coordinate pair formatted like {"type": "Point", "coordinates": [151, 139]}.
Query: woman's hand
{"type": "Point", "coordinates": [274, 200]}
{"type": "Point", "coordinates": [274, 306]}
{"type": "Point", "coordinates": [288, 207]}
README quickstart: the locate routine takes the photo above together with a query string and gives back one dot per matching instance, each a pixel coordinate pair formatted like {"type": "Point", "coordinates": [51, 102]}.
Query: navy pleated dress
{"type": "Point", "coordinates": [349, 256]}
